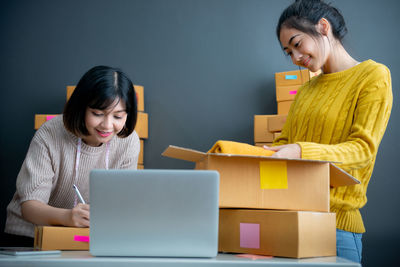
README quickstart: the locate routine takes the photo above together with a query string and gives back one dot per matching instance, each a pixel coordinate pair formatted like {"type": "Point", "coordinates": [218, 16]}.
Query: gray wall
{"type": "Point", "coordinates": [207, 67]}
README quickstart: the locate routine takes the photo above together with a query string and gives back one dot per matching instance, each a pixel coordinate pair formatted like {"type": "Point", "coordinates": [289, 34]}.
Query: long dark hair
{"type": "Point", "coordinates": [303, 15]}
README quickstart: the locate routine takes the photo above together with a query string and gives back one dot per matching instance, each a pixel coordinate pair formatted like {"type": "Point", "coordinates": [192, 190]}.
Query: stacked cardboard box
{"type": "Point", "coordinates": [272, 206]}
{"type": "Point", "coordinates": [141, 125]}
{"type": "Point", "coordinates": [269, 127]}
{"type": "Point", "coordinates": [286, 84]}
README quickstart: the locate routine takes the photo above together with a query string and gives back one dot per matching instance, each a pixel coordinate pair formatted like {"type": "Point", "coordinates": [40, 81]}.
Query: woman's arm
{"type": "Point", "coordinates": [42, 214]}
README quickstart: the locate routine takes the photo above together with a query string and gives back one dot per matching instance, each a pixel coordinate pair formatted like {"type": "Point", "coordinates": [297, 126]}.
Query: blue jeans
{"type": "Point", "coordinates": [348, 245]}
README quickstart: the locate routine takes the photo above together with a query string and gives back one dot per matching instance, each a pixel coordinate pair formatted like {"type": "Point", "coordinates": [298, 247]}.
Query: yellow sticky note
{"type": "Point", "coordinates": [273, 175]}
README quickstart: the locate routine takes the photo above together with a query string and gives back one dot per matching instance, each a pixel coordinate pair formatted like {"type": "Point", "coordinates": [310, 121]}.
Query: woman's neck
{"type": "Point", "coordinates": [338, 60]}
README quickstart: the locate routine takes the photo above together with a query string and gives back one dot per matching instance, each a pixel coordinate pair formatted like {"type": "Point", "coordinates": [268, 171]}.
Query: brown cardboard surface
{"type": "Point", "coordinates": [296, 234]}
{"type": "Point", "coordinates": [40, 119]}
{"type": "Point", "coordinates": [187, 154]}
{"type": "Point", "coordinates": [70, 90]}
{"type": "Point", "coordinates": [142, 125]}
{"type": "Point", "coordinates": [276, 123]}
{"type": "Point", "coordinates": [302, 77]}
{"type": "Point", "coordinates": [140, 160]}
{"type": "Point", "coordinates": [261, 131]}
{"type": "Point", "coordinates": [283, 107]}
{"type": "Point", "coordinates": [60, 238]}
{"type": "Point", "coordinates": [139, 90]}
{"type": "Point", "coordinates": [240, 185]}
{"type": "Point", "coordinates": [286, 93]}
{"type": "Point", "coordinates": [308, 181]}
{"type": "Point", "coordinates": [277, 134]}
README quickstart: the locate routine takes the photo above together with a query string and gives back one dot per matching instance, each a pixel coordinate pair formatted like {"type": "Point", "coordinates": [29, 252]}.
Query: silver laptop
{"type": "Point", "coordinates": [158, 213]}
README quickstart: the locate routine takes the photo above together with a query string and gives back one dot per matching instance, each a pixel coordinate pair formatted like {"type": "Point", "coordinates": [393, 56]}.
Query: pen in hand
{"type": "Point", "coordinates": [78, 194]}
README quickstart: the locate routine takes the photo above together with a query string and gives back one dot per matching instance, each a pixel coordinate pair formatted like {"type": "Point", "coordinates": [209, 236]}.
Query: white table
{"type": "Point", "coordinates": [85, 259]}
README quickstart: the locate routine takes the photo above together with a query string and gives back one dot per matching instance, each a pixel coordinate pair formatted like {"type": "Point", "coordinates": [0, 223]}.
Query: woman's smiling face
{"type": "Point", "coordinates": [102, 125]}
{"type": "Point", "coordinates": [304, 50]}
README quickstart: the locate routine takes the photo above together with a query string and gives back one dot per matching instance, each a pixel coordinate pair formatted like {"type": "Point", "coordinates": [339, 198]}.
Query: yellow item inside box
{"type": "Point", "coordinates": [230, 147]}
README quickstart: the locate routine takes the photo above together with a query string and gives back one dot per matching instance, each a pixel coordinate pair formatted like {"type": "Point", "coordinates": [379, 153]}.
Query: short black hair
{"type": "Point", "coordinates": [303, 15]}
{"type": "Point", "coordinates": [99, 88]}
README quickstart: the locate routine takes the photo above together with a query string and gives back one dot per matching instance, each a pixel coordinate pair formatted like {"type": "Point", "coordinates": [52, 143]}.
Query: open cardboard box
{"type": "Point", "coordinates": [268, 183]}
{"type": "Point", "coordinates": [296, 234]}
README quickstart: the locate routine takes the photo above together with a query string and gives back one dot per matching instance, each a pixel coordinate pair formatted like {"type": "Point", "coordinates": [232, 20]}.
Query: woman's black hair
{"type": "Point", "coordinates": [303, 15]}
{"type": "Point", "coordinates": [99, 88]}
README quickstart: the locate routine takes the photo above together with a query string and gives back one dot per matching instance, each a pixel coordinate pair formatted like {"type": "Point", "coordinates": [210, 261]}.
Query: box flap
{"type": "Point", "coordinates": [184, 153]}
{"type": "Point", "coordinates": [267, 158]}
{"type": "Point", "coordinates": [192, 155]}
{"type": "Point", "coordinates": [339, 177]}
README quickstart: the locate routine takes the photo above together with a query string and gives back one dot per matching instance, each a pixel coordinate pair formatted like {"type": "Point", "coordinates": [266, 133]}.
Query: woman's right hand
{"type": "Point", "coordinates": [80, 215]}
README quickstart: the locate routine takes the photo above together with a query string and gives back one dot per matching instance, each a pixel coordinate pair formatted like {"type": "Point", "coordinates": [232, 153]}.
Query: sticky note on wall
{"type": "Point", "coordinates": [249, 235]}
{"type": "Point", "coordinates": [273, 175]}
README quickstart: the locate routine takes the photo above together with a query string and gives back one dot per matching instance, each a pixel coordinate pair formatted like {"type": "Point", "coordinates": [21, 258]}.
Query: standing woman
{"type": "Point", "coordinates": [96, 130]}
{"type": "Point", "coordinates": [340, 115]}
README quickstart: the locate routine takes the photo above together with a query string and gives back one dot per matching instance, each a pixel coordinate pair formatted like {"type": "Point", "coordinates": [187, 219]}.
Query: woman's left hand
{"type": "Point", "coordinates": [292, 151]}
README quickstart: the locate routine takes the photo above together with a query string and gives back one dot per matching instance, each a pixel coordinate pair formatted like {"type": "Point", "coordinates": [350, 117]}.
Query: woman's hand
{"type": "Point", "coordinates": [40, 213]}
{"type": "Point", "coordinates": [292, 151]}
{"type": "Point", "coordinates": [80, 215]}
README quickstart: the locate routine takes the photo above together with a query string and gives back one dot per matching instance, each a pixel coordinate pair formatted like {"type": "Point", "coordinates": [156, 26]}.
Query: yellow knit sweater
{"type": "Point", "coordinates": [342, 117]}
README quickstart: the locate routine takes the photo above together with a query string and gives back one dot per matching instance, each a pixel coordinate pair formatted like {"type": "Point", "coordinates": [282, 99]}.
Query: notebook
{"type": "Point", "coordinates": [155, 213]}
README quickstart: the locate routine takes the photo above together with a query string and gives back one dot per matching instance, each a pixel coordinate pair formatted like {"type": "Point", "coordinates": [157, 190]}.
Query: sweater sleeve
{"type": "Point", "coordinates": [370, 119]}
{"type": "Point", "coordinates": [34, 181]}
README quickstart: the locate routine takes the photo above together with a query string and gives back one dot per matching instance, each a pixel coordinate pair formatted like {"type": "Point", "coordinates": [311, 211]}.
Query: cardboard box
{"type": "Point", "coordinates": [70, 90]}
{"type": "Point", "coordinates": [295, 234]}
{"type": "Point", "coordinates": [61, 238]}
{"type": "Point", "coordinates": [261, 129]}
{"type": "Point", "coordinates": [42, 118]}
{"type": "Point", "coordinates": [139, 90]}
{"type": "Point", "coordinates": [284, 107]}
{"type": "Point", "coordinates": [142, 125]}
{"type": "Point", "coordinates": [286, 93]}
{"type": "Point", "coordinates": [140, 161]}
{"type": "Point", "coordinates": [268, 183]}
{"type": "Point", "coordinates": [295, 77]}
{"type": "Point", "coordinates": [276, 123]}
{"type": "Point", "coordinates": [266, 125]}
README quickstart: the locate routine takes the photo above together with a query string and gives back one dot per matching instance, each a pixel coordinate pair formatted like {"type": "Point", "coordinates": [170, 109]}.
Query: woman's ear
{"type": "Point", "coordinates": [324, 26]}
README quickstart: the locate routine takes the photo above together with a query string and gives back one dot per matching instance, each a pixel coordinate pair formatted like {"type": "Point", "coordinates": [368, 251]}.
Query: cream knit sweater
{"type": "Point", "coordinates": [48, 170]}
{"type": "Point", "coordinates": [342, 117]}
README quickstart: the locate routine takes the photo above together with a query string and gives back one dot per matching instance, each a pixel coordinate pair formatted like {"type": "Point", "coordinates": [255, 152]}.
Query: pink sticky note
{"type": "Point", "coordinates": [249, 235]}
{"type": "Point", "coordinates": [49, 117]}
{"type": "Point", "coordinates": [253, 257]}
{"type": "Point", "coordinates": [293, 92]}
{"type": "Point", "coordinates": [81, 238]}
